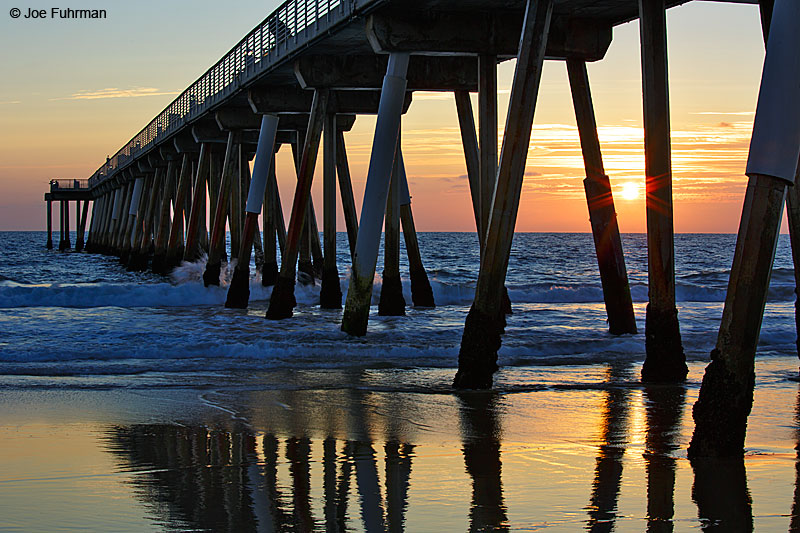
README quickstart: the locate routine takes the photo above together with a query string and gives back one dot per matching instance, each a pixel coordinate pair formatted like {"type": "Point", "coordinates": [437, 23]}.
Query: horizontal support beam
{"type": "Point", "coordinates": [425, 73]}
{"type": "Point", "coordinates": [283, 99]}
{"type": "Point", "coordinates": [487, 33]}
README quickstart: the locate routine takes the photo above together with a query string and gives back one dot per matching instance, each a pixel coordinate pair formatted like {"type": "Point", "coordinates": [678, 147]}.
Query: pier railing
{"type": "Point", "coordinates": [289, 27]}
{"type": "Point", "coordinates": [75, 185]}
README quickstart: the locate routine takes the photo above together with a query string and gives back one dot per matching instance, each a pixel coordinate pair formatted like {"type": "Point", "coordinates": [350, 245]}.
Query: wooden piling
{"type": "Point", "coordinates": [387, 130]}
{"type": "Point", "coordinates": [132, 231]}
{"type": "Point", "coordinates": [90, 247]}
{"type": "Point", "coordinates": [603, 217]}
{"type": "Point", "coordinates": [235, 213]}
{"type": "Point", "coordinates": [665, 360]}
{"type": "Point", "coordinates": [67, 243]}
{"type": "Point", "coordinates": [282, 301]}
{"type": "Point", "coordinates": [140, 255]}
{"type": "Point", "coordinates": [487, 132]}
{"type": "Point", "coordinates": [391, 302]}
{"type": "Point", "coordinates": [191, 250]}
{"type": "Point", "coordinates": [269, 272]}
{"type": "Point", "coordinates": [330, 295]}
{"type": "Point", "coordinates": [175, 240]}
{"type": "Point", "coordinates": [239, 290]}
{"type": "Point", "coordinates": [305, 267]}
{"type": "Point", "coordinates": [346, 191]}
{"type": "Point", "coordinates": [163, 221]}
{"type": "Point", "coordinates": [122, 220]}
{"type": "Point", "coordinates": [477, 359]}
{"type": "Point", "coordinates": [469, 140]}
{"type": "Point", "coordinates": [421, 292]}
{"type": "Point", "coordinates": [726, 394]}
{"type": "Point", "coordinates": [49, 244]}
{"type": "Point", "coordinates": [216, 246]}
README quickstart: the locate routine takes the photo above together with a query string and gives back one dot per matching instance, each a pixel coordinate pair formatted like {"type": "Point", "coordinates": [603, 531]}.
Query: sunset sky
{"type": "Point", "coordinates": [76, 91]}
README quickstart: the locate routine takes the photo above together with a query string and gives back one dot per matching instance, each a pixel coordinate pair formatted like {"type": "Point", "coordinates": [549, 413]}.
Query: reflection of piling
{"type": "Point", "coordinates": [477, 359]}
{"type": "Point", "coordinates": [481, 436]}
{"type": "Point", "coordinates": [795, 520]}
{"type": "Point", "coordinates": [726, 395]}
{"type": "Point", "coordinates": [721, 494]}
{"type": "Point", "coordinates": [398, 476]}
{"type": "Point", "coordinates": [665, 359]}
{"type": "Point", "coordinates": [663, 412]}
{"type": "Point", "coordinates": [607, 241]}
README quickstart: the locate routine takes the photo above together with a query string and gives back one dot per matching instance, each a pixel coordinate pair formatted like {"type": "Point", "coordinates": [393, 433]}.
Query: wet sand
{"type": "Point", "coordinates": [581, 448]}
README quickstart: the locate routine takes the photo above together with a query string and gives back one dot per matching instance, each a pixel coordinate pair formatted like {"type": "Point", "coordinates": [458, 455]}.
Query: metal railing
{"type": "Point", "coordinates": [290, 26]}
{"type": "Point", "coordinates": [60, 185]}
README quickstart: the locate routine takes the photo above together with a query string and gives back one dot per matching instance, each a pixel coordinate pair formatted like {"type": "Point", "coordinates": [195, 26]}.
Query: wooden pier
{"type": "Point", "coordinates": [304, 74]}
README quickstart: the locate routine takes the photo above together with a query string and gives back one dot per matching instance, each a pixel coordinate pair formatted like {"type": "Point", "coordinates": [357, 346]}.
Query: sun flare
{"type": "Point", "coordinates": [630, 191]}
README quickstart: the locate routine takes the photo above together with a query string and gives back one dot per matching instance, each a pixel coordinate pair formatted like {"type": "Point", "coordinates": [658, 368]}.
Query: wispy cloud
{"type": "Point", "coordinates": [737, 113]}
{"type": "Point", "coordinates": [114, 92]}
{"type": "Point", "coordinates": [8, 102]}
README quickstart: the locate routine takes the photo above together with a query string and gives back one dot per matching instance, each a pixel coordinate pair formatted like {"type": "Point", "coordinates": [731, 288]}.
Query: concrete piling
{"type": "Point", "coordinates": [387, 130]}
{"type": "Point", "coordinates": [477, 358]}
{"type": "Point", "coordinates": [330, 295]}
{"type": "Point", "coordinates": [603, 217]}
{"type": "Point", "coordinates": [487, 133]}
{"type": "Point", "coordinates": [469, 140]}
{"type": "Point", "coordinates": [163, 221]}
{"type": "Point", "coordinates": [67, 244]}
{"type": "Point", "coordinates": [282, 301]}
{"type": "Point", "coordinates": [391, 302]}
{"type": "Point", "coordinates": [421, 292]}
{"type": "Point", "coordinates": [239, 290]}
{"type": "Point", "coordinates": [271, 212]}
{"type": "Point", "coordinates": [133, 227]}
{"type": "Point", "coordinates": [140, 255]}
{"type": "Point", "coordinates": [665, 359]}
{"type": "Point", "coordinates": [726, 395]}
{"type": "Point", "coordinates": [191, 250]}
{"type": "Point", "coordinates": [173, 252]}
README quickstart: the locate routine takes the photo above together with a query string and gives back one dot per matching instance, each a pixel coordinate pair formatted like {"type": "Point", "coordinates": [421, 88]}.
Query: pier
{"type": "Point", "coordinates": [303, 76]}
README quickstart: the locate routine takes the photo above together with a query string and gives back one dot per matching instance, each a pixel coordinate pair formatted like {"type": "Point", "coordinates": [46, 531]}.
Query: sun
{"type": "Point", "coordinates": [630, 191]}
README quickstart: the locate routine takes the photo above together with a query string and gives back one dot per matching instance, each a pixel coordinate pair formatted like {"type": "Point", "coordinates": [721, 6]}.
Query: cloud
{"type": "Point", "coordinates": [11, 102]}
{"type": "Point", "coordinates": [739, 113]}
{"type": "Point", "coordinates": [114, 92]}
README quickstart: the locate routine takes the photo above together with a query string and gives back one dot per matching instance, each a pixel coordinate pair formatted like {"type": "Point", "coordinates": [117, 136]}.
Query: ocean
{"type": "Point", "coordinates": [127, 366]}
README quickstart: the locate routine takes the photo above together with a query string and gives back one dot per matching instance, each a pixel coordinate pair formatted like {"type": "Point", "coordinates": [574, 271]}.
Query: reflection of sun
{"type": "Point", "coordinates": [630, 191]}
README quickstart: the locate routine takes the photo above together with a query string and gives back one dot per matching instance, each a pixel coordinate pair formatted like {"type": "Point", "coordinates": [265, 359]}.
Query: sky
{"type": "Point", "coordinates": [73, 92]}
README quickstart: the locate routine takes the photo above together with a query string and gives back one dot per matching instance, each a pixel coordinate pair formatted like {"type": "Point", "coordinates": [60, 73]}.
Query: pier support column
{"type": "Point", "coordinates": [90, 237]}
{"type": "Point", "coordinates": [603, 217]}
{"type": "Point", "coordinates": [235, 215]}
{"type": "Point", "coordinates": [119, 238]}
{"type": "Point", "coordinates": [391, 302]}
{"type": "Point", "coordinates": [469, 141]}
{"type": "Point", "coordinates": [49, 224]}
{"type": "Point", "coordinates": [421, 292]}
{"type": "Point", "coordinates": [140, 254]}
{"type": "Point", "coordinates": [304, 264]}
{"type": "Point", "coordinates": [132, 231]}
{"type": "Point", "coordinates": [163, 222]}
{"type": "Point", "coordinates": [726, 395]}
{"type": "Point", "coordinates": [487, 131]}
{"type": "Point", "coordinates": [665, 360]}
{"type": "Point", "coordinates": [330, 294]}
{"type": "Point", "coordinates": [384, 143]}
{"type": "Point", "coordinates": [346, 192]}
{"type": "Point", "coordinates": [175, 240]}
{"type": "Point", "coordinates": [191, 250]}
{"type": "Point", "coordinates": [271, 212]}
{"type": "Point", "coordinates": [77, 222]}
{"type": "Point", "coordinates": [216, 247]}
{"type": "Point", "coordinates": [239, 290]}
{"type": "Point", "coordinates": [477, 358]}
{"type": "Point", "coordinates": [67, 244]}
{"type": "Point", "coordinates": [282, 301]}
{"type": "Point", "coordinates": [116, 220]}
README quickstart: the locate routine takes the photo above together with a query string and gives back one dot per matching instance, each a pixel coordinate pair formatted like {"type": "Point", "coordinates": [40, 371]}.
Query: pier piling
{"type": "Point", "coordinates": [271, 212]}
{"type": "Point", "coordinates": [391, 302]}
{"type": "Point", "coordinates": [163, 221]}
{"type": "Point", "coordinates": [346, 191]}
{"type": "Point", "coordinates": [665, 360]}
{"type": "Point", "coordinates": [387, 131]}
{"type": "Point", "coordinates": [726, 395]}
{"type": "Point", "coordinates": [603, 217]}
{"type": "Point", "coordinates": [239, 290]}
{"type": "Point", "coordinates": [477, 358]}
{"type": "Point", "coordinates": [330, 295]}
{"type": "Point", "coordinates": [421, 292]}
{"type": "Point", "coordinates": [216, 246]}
{"type": "Point", "coordinates": [49, 225]}
{"type": "Point", "coordinates": [282, 301]}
